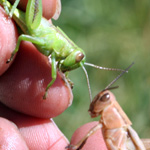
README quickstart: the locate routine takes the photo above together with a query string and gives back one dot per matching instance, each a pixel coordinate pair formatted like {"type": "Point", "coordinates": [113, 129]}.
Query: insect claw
{"type": "Point", "coordinates": [45, 95]}
{"type": "Point", "coordinates": [71, 147]}
{"type": "Point", "coordinates": [8, 61]}
{"type": "Point", "coordinates": [67, 147]}
{"type": "Point", "coordinates": [10, 15]}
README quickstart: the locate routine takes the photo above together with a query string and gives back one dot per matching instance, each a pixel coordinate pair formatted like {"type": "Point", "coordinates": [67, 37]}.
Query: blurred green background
{"type": "Point", "coordinates": [112, 34]}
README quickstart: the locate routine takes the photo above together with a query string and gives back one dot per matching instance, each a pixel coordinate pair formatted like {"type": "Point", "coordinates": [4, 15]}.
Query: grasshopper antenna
{"type": "Point", "coordinates": [126, 70]}
{"type": "Point", "coordinates": [87, 79]}
{"type": "Point", "coordinates": [104, 68]}
{"type": "Point", "coordinates": [107, 87]}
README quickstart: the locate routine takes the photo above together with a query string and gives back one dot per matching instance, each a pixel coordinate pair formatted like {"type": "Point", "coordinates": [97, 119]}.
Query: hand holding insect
{"type": "Point", "coordinates": [116, 126]}
{"type": "Point", "coordinates": [31, 132]}
{"type": "Point", "coordinates": [25, 81]}
{"type": "Point", "coordinates": [115, 137]}
{"type": "Point", "coordinates": [24, 132]}
{"type": "Point", "coordinates": [49, 40]}
{"type": "Point", "coordinates": [86, 139]}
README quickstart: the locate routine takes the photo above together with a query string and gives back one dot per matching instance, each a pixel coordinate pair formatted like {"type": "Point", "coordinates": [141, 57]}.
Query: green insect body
{"type": "Point", "coordinates": [49, 40]}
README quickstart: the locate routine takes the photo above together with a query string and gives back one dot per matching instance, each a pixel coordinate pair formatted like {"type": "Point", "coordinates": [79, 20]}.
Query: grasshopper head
{"type": "Point", "coordinates": [99, 103]}
{"type": "Point", "coordinates": [73, 60]}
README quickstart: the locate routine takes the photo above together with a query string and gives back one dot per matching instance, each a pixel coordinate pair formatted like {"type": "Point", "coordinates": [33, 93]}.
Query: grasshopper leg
{"type": "Point", "coordinates": [81, 143]}
{"type": "Point", "coordinates": [24, 37]}
{"type": "Point", "coordinates": [54, 74]}
{"type": "Point", "coordinates": [5, 6]}
{"type": "Point", "coordinates": [10, 12]}
{"type": "Point", "coordinates": [13, 8]}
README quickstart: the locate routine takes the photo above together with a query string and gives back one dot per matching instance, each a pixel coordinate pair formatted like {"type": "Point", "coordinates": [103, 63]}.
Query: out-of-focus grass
{"type": "Point", "coordinates": [112, 34]}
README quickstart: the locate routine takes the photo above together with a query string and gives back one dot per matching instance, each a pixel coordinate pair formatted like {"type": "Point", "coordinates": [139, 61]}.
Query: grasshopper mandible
{"type": "Point", "coordinates": [116, 126]}
{"type": "Point", "coordinates": [48, 39]}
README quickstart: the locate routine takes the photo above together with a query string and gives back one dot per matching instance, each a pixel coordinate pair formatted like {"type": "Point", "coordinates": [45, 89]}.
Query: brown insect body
{"type": "Point", "coordinates": [116, 126]}
{"type": "Point", "coordinates": [114, 123]}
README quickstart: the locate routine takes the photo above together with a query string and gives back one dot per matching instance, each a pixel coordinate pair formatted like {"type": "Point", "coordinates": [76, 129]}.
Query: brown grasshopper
{"type": "Point", "coordinates": [114, 123]}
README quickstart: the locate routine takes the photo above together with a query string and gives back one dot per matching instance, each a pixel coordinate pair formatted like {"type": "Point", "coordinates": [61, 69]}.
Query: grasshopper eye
{"type": "Point", "coordinates": [79, 57]}
{"type": "Point", "coordinates": [105, 97]}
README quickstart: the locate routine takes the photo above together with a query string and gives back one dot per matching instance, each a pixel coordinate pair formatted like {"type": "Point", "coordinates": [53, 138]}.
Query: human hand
{"type": "Point", "coordinates": [24, 122]}
{"type": "Point", "coordinates": [21, 89]}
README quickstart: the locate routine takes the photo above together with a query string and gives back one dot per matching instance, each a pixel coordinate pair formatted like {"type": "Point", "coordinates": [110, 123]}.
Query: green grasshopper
{"type": "Point", "coordinates": [48, 39]}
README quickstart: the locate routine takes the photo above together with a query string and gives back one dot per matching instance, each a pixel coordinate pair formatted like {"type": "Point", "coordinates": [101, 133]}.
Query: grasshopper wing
{"type": "Point", "coordinates": [135, 138]}
{"type": "Point", "coordinates": [33, 13]}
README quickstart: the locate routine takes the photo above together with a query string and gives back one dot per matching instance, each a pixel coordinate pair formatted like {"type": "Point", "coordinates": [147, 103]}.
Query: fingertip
{"type": "Point", "coordinates": [8, 34]}
{"type": "Point", "coordinates": [37, 133]}
{"type": "Point", "coordinates": [94, 142]}
{"type": "Point", "coordinates": [49, 7]}
{"type": "Point", "coordinates": [57, 10]}
{"type": "Point", "coordinates": [10, 138]}
{"type": "Point", "coordinates": [22, 87]}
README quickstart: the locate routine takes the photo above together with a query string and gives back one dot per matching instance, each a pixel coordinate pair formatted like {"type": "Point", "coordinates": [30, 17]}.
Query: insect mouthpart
{"type": "Point", "coordinates": [93, 114]}
{"type": "Point", "coordinates": [92, 111]}
{"type": "Point", "coordinates": [79, 57]}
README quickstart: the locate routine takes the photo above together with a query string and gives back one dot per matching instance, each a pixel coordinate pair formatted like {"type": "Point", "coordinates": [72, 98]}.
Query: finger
{"type": "Point", "coordinates": [10, 138]}
{"type": "Point", "coordinates": [94, 142]}
{"type": "Point", "coordinates": [23, 85]}
{"type": "Point", "coordinates": [50, 111]}
{"type": "Point", "coordinates": [49, 7]}
{"type": "Point", "coordinates": [39, 134]}
{"type": "Point", "coordinates": [8, 34]}
{"type": "Point", "coordinates": [43, 134]}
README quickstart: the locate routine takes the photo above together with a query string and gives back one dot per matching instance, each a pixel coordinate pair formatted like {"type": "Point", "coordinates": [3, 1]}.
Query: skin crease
{"type": "Point", "coordinates": [23, 113]}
